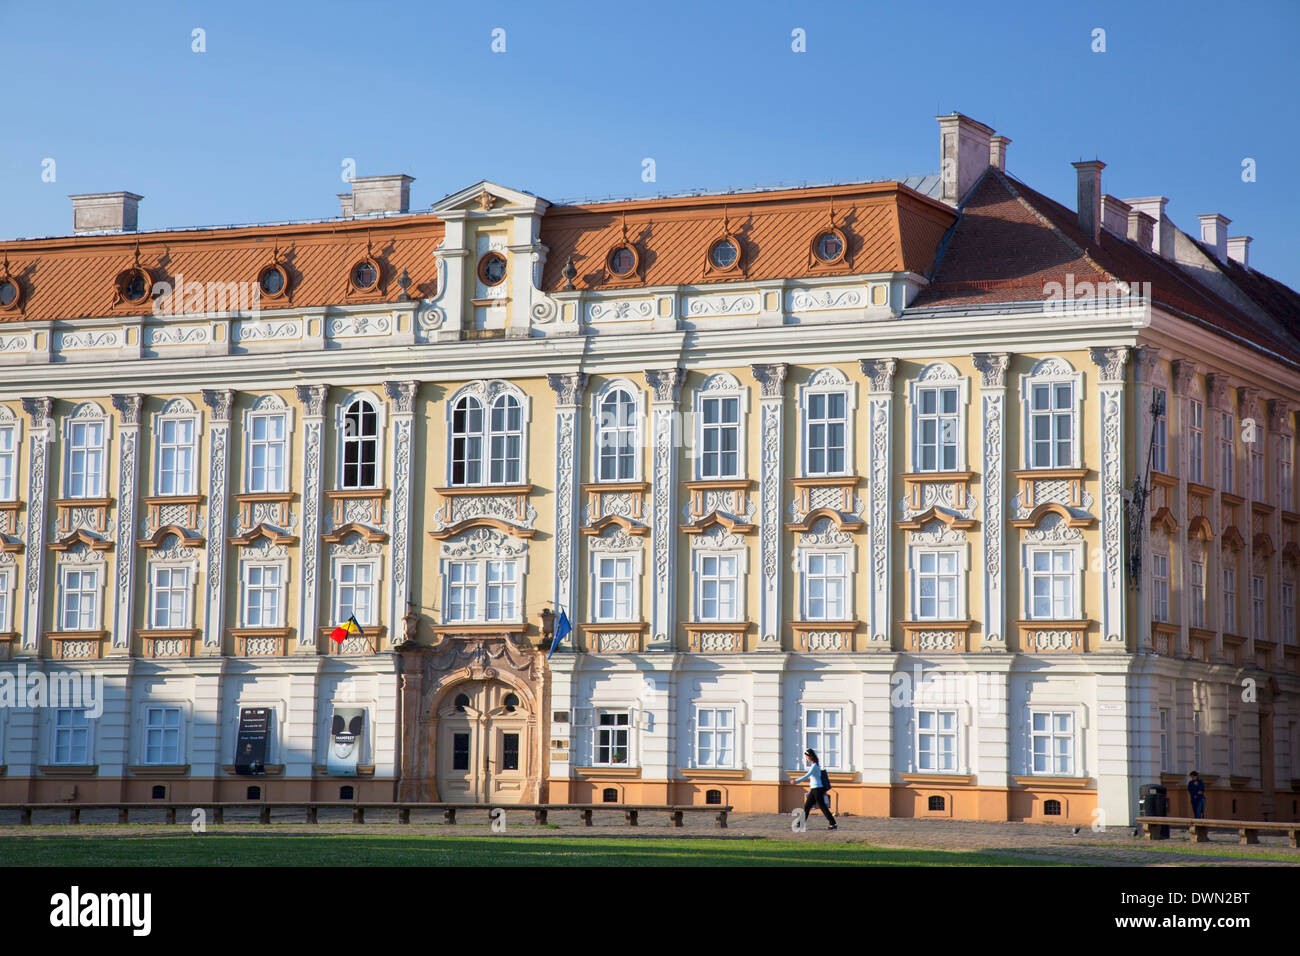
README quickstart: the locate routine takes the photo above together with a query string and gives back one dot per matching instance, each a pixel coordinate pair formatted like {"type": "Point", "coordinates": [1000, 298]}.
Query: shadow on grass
{"type": "Point", "coordinates": [230, 850]}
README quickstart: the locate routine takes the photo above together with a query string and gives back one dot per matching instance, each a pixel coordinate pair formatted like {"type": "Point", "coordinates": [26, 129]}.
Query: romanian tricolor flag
{"type": "Point", "coordinates": [349, 627]}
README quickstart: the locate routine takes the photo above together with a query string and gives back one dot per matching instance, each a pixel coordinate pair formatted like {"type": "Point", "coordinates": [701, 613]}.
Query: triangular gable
{"type": "Point", "coordinates": [469, 199]}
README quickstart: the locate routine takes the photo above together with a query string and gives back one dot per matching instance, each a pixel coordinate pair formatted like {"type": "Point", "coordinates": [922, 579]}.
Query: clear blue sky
{"type": "Point", "coordinates": [256, 128]}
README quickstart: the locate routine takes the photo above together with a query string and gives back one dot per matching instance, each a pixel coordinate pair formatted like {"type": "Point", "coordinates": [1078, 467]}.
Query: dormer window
{"type": "Point", "coordinates": [365, 275]}
{"type": "Point", "coordinates": [830, 247]}
{"type": "Point", "coordinates": [492, 269]}
{"type": "Point", "coordinates": [133, 285]}
{"type": "Point", "coordinates": [724, 254]}
{"type": "Point", "coordinates": [622, 261]}
{"type": "Point", "coordinates": [9, 293]}
{"type": "Point", "coordinates": [273, 281]}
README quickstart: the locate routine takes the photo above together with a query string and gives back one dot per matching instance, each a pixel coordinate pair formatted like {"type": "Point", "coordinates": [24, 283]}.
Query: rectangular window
{"type": "Point", "coordinates": [717, 588]}
{"type": "Point", "coordinates": [79, 600]}
{"type": "Point", "coordinates": [936, 741]}
{"type": "Point", "coordinates": [267, 453]}
{"type": "Point", "coordinates": [460, 751]}
{"type": "Point", "coordinates": [169, 606]}
{"type": "Point", "coordinates": [938, 429]}
{"type": "Point", "coordinates": [1164, 740]}
{"type": "Point", "coordinates": [1288, 611]}
{"type": "Point", "coordinates": [71, 737]}
{"type": "Point", "coordinates": [496, 600]}
{"type": "Point", "coordinates": [1227, 452]}
{"type": "Point", "coordinates": [360, 445]}
{"type": "Point", "coordinates": [1052, 584]}
{"type": "Point", "coordinates": [1232, 744]}
{"type": "Point", "coordinates": [825, 585]}
{"type": "Point", "coordinates": [1285, 473]}
{"type": "Point", "coordinates": [614, 585]}
{"type": "Point", "coordinates": [822, 733]}
{"type": "Point", "coordinates": [616, 425]}
{"type": "Point", "coordinates": [1051, 736]}
{"type": "Point", "coordinates": [715, 737]}
{"type": "Point", "coordinates": [720, 438]}
{"type": "Point", "coordinates": [262, 595]}
{"type": "Point", "coordinates": [162, 735]}
{"type": "Point", "coordinates": [1160, 434]}
{"type": "Point", "coordinates": [462, 591]}
{"type": "Point", "coordinates": [1230, 600]}
{"type": "Point", "coordinates": [509, 751]}
{"type": "Point", "coordinates": [1051, 425]}
{"type": "Point", "coordinates": [612, 729]}
{"type": "Point", "coordinates": [1258, 486]}
{"type": "Point", "coordinates": [356, 593]}
{"type": "Point", "coordinates": [826, 434]}
{"type": "Point", "coordinates": [1198, 754]}
{"type": "Point", "coordinates": [506, 442]}
{"type": "Point", "coordinates": [5, 609]}
{"type": "Point", "coordinates": [1160, 587]}
{"type": "Point", "coordinates": [937, 581]}
{"type": "Point", "coordinates": [176, 456]}
{"type": "Point", "coordinates": [1198, 594]}
{"type": "Point", "coordinates": [1196, 441]}
{"type": "Point", "coordinates": [1259, 606]}
{"type": "Point", "coordinates": [86, 460]}
{"type": "Point", "coordinates": [502, 591]}
{"type": "Point", "coordinates": [8, 463]}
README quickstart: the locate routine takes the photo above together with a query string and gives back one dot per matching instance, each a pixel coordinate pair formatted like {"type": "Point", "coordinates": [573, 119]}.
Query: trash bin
{"type": "Point", "coordinates": [1155, 803]}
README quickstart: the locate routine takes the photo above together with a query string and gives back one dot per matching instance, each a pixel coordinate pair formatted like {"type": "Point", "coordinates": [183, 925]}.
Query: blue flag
{"type": "Point", "coordinates": [562, 629]}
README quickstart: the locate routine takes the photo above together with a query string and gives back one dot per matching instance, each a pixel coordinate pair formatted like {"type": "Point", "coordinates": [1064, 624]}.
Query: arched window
{"type": "Point", "coordinates": [360, 440]}
{"type": "Point", "coordinates": [467, 442]}
{"type": "Point", "coordinates": [462, 701]}
{"type": "Point", "coordinates": [511, 702]}
{"type": "Point", "coordinates": [616, 437]}
{"type": "Point", "coordinates": [506, 430]}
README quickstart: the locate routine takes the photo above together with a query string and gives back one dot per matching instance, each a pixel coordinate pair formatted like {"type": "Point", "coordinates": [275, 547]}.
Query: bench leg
{"type": "Point", "coordinates": [722, 819]}
{"type": "Point", "coordinates": [264, 815]}
{"type": "Point", "coordinates": [74, 815]}
{"type": "Point", "coordinates": [404, 815]}
{"type": "Point", "coordinates": [1200, 834]}
{"type": "Point", "coordinates": [358, 814]}
{"type": "Point", "coordinates": [631, 817]}
{"type": "Point", "coordinates": [25, 816]}
{"type": "Point", "coordinates": [171, 815]}
{"type": "Point", "coordinates": [219, 815]}
{"type": "Point", "coordinates": [1249, 835]}
{"type": "Point", "coordinates": [122, 815]}
{"type": "Point", "coordinates": [539, 817]}
{"type": "Point", "coordinates": [677, 818]}
{"type": "Point", "coordinates": [1292, 836]}
{"type": "Point", "coordinates": [311, 815]}
{"type": "Point", "coordinates": [586, 818]}
{"type": "Point", "coordinates": [449, 816]}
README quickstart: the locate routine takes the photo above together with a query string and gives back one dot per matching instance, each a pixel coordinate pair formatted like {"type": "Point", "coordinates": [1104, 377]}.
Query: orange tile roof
{"type": "Point", "coordinates": [889, 228]}
{"type": "Point", "coordinates": [75, 277]}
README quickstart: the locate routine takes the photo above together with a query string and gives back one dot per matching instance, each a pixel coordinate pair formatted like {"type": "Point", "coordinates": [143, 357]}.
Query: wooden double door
{"type": "Point", "coordinates": [485, 746]}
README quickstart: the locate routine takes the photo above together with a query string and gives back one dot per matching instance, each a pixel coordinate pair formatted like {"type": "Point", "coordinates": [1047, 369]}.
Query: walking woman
{"type": "Point", "coordinates": [816, 789]}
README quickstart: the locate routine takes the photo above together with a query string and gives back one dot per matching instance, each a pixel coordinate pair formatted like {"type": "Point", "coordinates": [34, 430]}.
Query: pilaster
{"type": "Point", "coordinates": [221, 402]}
{"type": "Point", "coordinates": [40, 437]}
{"type": "Point", "coordinates": [313, 398]}
{"type": "Point", "coordinates": [665, 386]}
{"type": "Point", "coordinates": [568, 388]}
{"type": "Point", "coordinates": [402, 395]}
{"type": "Point", "coordinates": [992, 367]}
{"type": "Point", "coordinates": [880, 399]}
{"type": "Point", "coordinates": [1110, 363]}
{"type": "Point", "coordinates": [771, 380]}
{"type": "Point", "coordinates": [128, 481]}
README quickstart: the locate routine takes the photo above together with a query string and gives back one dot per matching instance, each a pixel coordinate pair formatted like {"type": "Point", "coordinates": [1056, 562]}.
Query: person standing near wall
{"type": "Point", "coordinates": [817, 788]}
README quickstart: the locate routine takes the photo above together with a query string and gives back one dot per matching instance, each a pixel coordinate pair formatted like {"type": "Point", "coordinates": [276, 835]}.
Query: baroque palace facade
{"type": "Point", "coordinates": [989, 501]}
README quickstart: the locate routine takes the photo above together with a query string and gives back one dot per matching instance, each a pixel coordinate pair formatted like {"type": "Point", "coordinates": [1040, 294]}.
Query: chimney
{"type": "Point", "coordinates": [1141, 229]}
{"type": "Point", "coordinates": [964, 153]}
{"type": "Point", "coordinates": [1163, 239]}
{"type": "Point", "coordinates": [1239, 250]}
{"type": "Point", "coordinates": [104, 212]}
{"type": "Point", "coordinates": [1114, 215]}
{"type": "Point", "coordinates": [371, 194]}
{"type": "Point", "coordinates": [1214, 233]}
{"type": "Point", "coordinates": [1089, 173]}
{"type": "Point", "coordinates": [998, 152]}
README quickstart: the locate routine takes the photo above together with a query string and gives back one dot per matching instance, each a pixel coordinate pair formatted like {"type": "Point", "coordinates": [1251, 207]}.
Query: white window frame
{"type": "Point", "coordinates": [1257, 459]}
{"type": "Point", "coordinates": [8, 593]}
{"type": "Point", "coordinates": [1198, 594]}
{"type": "Point", "coordinates": [87, 413]}
{"type": "Point", "coordinates": [1196, 441]}
{"type": "Point", "coordinates": [341, 431]}
{"type": "Point", "coordinates": [1227, 426]}
{"type": "Point", "coordinates": [486, 393]}
{"type": "Point", "coordinates": [937, 733]}
{"type": "Point", "coordinates": [267, 407]}
{"type": "Point", "coordinates": [733, 729]}
{"type": "Point", "coordinates": [597, 712]}
{"type": "Point", "coordinates": [637, 558]}
{"type": "Point", "coordinates": [1074, 735]}
{"type": "Point", "coordinates": [1230, 596]}
{"type": "Point", "coordinates": [1076, 549]}
{"type": "Point", "coordinates": [1259, 606]}
{"type": "Point", "coordinates": [849, 555]}
{"type": "Point", "coordinates": [1051, 371]}
{"type": "Point", "coordinates": [1160, 435]}
{"type": "Point", "coordinates": [176, 411]}
{"type": "Point", "coordinates": [721, 385]}
{"type": "Point", "coordinates": [12, 427]}
{"type": "Point", "coordinates": [841, 761]}
{"type": "Point", "coordinates": [281, 615]}
{"type": "Point", "coordinates": [187, 592]}
{"type": "Point", "coordinates": [938, 375]}
{"type": "Point", "coordinates": [698, 555]}
{"type": "Point", "coordinates": [1285, 473]}
{"type": "Point", "coordinates": [599, 430]}
{"type": "Point", "coordinates": [85, 725]}
{"type": "Point", "coordinates": [145, 729]}
{"type": "Point", "coordinates": [915, 551]}
{"type": "Point", "coordinates": [520, 562]}
{"type": "Point", "coordinates": [1160, 587]}
{"type": "Point", "coordinates": [97, 591]}
{"type": "Point", "coordinates": [375, 566]}
{"type": "Point", "coordinates": [1288, 611]}
{"type": "Point", "coordinates": [825, 382]}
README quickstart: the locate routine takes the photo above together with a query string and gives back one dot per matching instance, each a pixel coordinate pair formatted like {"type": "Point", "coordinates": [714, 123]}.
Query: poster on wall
{"type": "Point", "coordinates": [346, 733]}
{"type": "Point", "coordinates": [250, 745]}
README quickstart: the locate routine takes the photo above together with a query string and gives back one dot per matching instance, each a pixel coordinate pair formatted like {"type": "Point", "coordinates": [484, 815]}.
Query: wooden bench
{"type": "Point", "coordinates": [1247, 830]}
{"type": "Point", "coordinates": [631, 812]}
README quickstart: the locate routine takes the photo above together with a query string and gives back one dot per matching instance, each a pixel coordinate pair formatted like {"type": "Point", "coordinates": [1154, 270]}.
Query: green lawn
{"type": "Point", "coordinates": [287, 850]}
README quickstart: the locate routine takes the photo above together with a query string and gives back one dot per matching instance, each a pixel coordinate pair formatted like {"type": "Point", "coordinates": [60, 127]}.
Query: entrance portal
{"type": "Point", "coordinates": [483, 750]}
